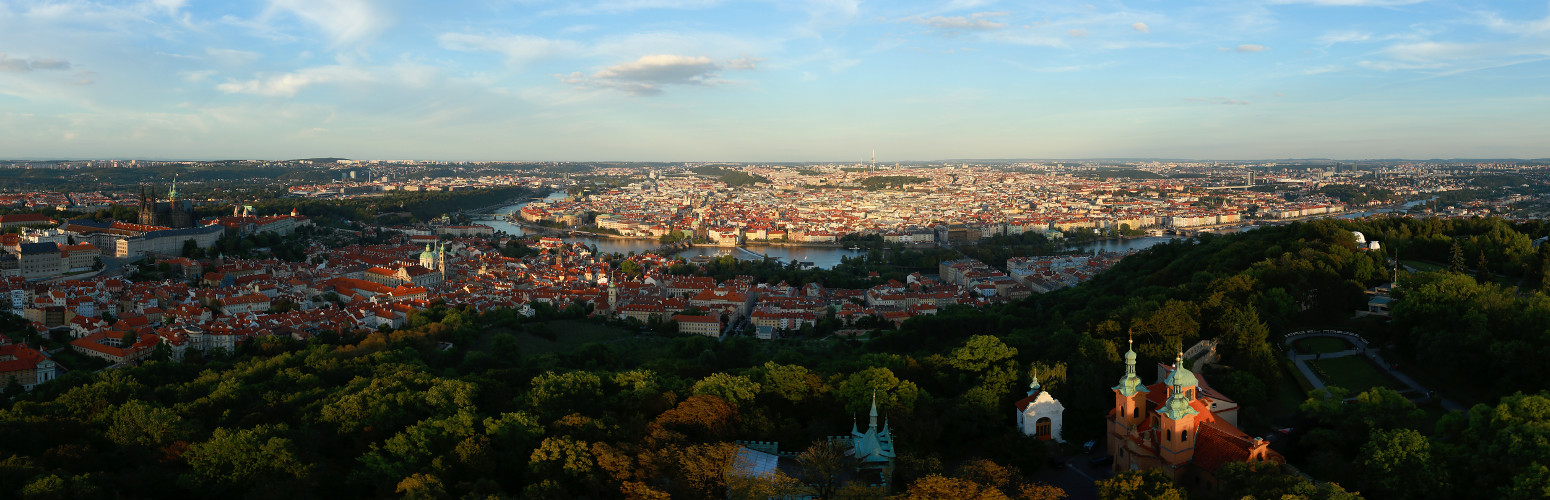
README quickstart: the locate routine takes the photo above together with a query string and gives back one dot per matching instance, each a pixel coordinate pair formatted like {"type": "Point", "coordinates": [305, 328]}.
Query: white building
{"type": "Point", "coordinates": [1040, 414]}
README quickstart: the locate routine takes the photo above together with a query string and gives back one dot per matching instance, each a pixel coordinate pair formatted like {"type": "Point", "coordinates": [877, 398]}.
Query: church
{"type": "Point", "coordinates": [1040, 414]}
{"type": "Point", "coordinates": [173, 213]}
{"type": "Point", "coordinates": [1179, 425]}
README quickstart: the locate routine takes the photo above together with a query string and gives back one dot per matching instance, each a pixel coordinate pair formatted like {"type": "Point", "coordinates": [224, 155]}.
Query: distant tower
{"type": "Point", "coordinates": [874, 159]}
{"type": "Point", "coordinates": [441, 259]}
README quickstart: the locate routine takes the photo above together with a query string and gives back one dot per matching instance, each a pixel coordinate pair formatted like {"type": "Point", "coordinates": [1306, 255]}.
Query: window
{"type": "Point", "coordinates": [1168, 435]}
{"type": "Point", "coordinates": [1135, 412]}
{"type": "Point", "coordinates": [1184, 436]}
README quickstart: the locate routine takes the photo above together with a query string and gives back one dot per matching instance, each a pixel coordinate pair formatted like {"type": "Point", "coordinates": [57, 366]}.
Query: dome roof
{"type": "Point", "coordinates": [1180, 376]}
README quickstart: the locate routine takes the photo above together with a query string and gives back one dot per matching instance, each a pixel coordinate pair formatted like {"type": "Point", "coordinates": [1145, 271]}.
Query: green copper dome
{"type": "Point", "coordinates": [1180, 376]}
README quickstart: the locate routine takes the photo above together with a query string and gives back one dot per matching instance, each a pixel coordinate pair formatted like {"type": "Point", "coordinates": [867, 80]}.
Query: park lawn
{"type": "Point", "coordinates": [1356, 374]}
{"type": "Point", "coordinates": [1422, 266]}
{"type": "Point", "coordinates": [1321, 345]}
{"type": "Point", "coordinates": [568, 334]}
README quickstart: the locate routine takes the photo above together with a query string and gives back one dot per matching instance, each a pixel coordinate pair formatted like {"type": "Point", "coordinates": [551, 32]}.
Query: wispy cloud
{"type": "Point", "coordinates": [1350, 3]}
{"type": "Point", "coordinates": [343, 21]}
{"type": "Point", "coordinates": [974, 22]}
{"type": "Point", "coordinates": [18, 65]}
{"type": "Point", "coordinates": [1141, 27]}
{"type": "Point", "coordinates": [1217, 100]}
{"type": "Point", "coordinates": [1347, 36]}
{"type": "Point", "coordinates": [288, 84]}
{"type": "Point", "coordinates": [649, 74]}
{"type": "Point", "coordinates": [518, 49]}
{"type": "Point", "coordinates": [1251, 47]}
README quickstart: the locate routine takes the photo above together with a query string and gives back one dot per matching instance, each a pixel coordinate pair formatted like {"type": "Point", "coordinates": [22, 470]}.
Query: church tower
{"type": "Point", "coordinates": [1178, 418]}
{"type": "Point", "coordinates": [1129, 401]}
{"type": "Point", "coordinates": [441, 259]}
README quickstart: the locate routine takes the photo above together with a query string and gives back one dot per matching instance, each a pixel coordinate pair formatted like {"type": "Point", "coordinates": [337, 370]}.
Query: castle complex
{"type": "Point", "coordinates": [172, 213]}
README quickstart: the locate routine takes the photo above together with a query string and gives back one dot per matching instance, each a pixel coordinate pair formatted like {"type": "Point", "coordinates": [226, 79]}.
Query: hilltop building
{"type": "Point", "coordinates": [1179, 425]}
{"type": "Point", "coordinates": [172, 213]}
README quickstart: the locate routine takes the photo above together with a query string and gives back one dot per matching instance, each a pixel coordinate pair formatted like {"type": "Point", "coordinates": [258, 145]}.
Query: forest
{"type": "Point", "coordinates": [388, 413]}
{"type": "Point", "coordinates": [731, 177]}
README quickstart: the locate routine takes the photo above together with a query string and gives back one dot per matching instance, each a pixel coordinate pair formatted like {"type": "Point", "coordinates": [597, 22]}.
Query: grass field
{"type": "Point", "coordinates": [1422, 266]}
{"type": "Point", "coordinates": [1356, 374]}
{"type": "Point", "coordinates": [568, 335]}
{"type": "Point", "coordinates": [1321, 345]}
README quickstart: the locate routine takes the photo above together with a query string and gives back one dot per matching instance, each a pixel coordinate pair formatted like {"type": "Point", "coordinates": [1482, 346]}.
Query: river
{"type": "Point", "coordinates": [822, 257]}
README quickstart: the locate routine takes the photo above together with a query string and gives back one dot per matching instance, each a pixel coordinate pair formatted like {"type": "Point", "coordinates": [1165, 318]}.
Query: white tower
{"type": "Point", "coordinates": [1040, 414]}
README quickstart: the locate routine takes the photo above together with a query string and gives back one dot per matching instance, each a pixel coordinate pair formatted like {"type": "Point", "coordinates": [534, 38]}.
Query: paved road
{"type": "Point", "coordinates": [1362, 349]}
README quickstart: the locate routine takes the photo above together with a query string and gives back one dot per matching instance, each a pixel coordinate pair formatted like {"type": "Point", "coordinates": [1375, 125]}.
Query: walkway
{"type": "Point", "coordinates": [1362, 348]}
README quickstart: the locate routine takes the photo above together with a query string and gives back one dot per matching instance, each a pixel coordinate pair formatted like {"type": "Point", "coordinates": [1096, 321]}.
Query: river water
{"type": "Point", "coordinates": [822, 257]}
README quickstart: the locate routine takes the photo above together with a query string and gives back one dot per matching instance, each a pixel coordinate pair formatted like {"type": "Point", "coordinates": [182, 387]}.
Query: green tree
{"type": "Point", "coordinates": [735, 389]}
{"type": "Point", "coordinates": [233, 459]}
{"type": "Point", "coordinates": [979, 353]}
{"type": "Point", "coordinates": [1456, 261]}
{"type": "Point", "coordinates": [1267, 480]}
{"type": "Point", "coordinates": [1398, 464]}
{"type": "Point", "coordinates": [1151, 484]}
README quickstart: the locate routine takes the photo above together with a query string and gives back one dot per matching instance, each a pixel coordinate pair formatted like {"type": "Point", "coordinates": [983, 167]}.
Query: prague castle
{"type": "Point", "coordinates": [173, 213]}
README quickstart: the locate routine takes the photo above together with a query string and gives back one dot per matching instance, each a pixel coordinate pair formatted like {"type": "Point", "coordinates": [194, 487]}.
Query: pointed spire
{"type": "Point", "coordinates": [1033, 387]}
{"type": "Point", "coordinates": [173, 194]}
{"type": "Point", "coordinates": [873, 424]}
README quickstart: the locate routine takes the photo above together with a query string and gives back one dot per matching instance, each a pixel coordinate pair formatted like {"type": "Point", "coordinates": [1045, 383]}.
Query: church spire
{"type": "Point", "coordinates": [873, 424]}
{"type": "Point", "coordinates": [1033, 387]}
{"type": "Point", "coordinates": [173, 194]}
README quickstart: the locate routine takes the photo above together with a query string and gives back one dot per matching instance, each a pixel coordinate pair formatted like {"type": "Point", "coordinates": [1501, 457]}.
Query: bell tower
{"type": "Point", "coordinates": [1178, 420]}
{"type": "Point", "coordinates": [1129, 403]}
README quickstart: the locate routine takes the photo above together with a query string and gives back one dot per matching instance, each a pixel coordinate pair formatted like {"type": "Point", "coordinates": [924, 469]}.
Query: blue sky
{"type": "Point", "coordinates": [797, 80]}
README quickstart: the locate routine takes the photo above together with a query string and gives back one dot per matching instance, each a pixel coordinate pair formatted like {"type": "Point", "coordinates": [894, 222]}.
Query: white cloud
{"type": "Point", "coordinates": [1141, 27]}
{"type": "Point", "coordinates": [288, 84]}
{"type": "Point", "coordinates": [649, 74]}
{"type": "Point", "coordinates": [1078, 33]}
{"type": "Point", "coordinates": [344, 21]}
{"type": "Point", "coordinates": [1251, 47]}
{"type": "Point", "coordinates": [518, 49]}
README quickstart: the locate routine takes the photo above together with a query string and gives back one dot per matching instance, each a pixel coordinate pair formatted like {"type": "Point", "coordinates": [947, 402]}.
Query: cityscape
{"type": "Point", "coordinates": [610, 250]}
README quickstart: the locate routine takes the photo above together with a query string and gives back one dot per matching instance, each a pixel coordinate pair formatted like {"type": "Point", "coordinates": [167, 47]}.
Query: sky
{"type": "Point", "coordinates": [777, 80]}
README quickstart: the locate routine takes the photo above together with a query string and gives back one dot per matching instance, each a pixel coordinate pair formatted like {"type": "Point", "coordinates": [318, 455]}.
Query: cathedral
{"type": "Point", "coordinates": [173, 213]}
{"type": "Point", "coordinates": [1179, 425]}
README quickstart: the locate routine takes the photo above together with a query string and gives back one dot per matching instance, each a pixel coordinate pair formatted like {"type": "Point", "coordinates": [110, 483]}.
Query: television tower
{"type": "Point", "coordinates": [874, 159]}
